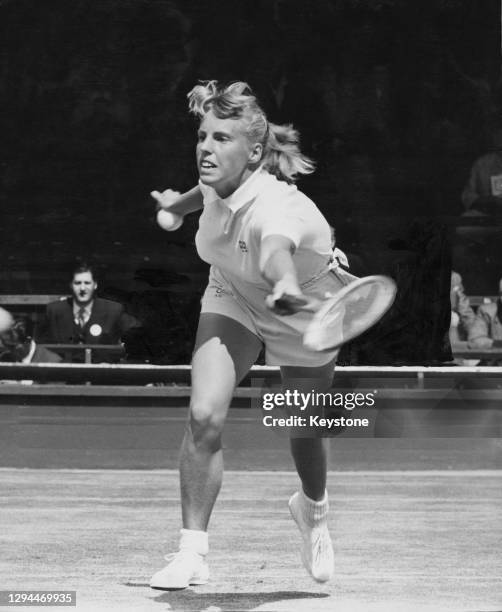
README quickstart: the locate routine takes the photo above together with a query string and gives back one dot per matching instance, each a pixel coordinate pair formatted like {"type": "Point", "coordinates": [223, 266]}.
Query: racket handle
{"type": "Point", "coordinates": [291, 304]}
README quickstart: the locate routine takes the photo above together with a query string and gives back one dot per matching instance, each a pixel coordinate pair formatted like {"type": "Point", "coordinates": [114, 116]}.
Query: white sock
{"type": "Point", "coordinates": [194, 541]}
{"type": "Point", "coordinates": [314, 512]}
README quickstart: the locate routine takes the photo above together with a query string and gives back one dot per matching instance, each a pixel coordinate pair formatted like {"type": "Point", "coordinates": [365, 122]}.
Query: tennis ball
{"type": "Point", "coordinates": [6, 320]}
{"type": "Point", "coordinates": [169, 221]}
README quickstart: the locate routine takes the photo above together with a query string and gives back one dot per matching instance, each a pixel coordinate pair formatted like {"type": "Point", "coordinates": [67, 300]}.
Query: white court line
{"type": "Point", "coordinates": [271, 473]}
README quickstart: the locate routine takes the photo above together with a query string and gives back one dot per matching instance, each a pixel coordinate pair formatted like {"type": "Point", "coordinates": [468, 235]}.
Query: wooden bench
{"type": "Point", "coordinates": [31, 300]}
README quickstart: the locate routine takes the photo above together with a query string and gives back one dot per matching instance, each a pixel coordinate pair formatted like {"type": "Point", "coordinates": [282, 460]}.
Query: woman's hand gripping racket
{"type": "Point", "coordinates": [346, 315]}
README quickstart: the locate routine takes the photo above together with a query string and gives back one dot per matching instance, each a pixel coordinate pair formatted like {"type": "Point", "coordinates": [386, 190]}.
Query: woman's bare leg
{"type": "Point", "coordinates": [225, 351]}
{"type": "Point", "coordinates": [310, 452]}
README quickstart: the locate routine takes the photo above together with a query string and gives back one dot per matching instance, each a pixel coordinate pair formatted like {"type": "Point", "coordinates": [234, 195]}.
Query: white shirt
{"type": "Point", "coordinates": [231, 229]}
{"type": "Point", "coordinates": [30, 354]}
{"type": "Point", "coordinates": [27, 360]}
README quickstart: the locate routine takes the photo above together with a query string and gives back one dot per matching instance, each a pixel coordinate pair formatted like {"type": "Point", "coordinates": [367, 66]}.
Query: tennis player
{"type": "Point", "coordinates": [271, 255]}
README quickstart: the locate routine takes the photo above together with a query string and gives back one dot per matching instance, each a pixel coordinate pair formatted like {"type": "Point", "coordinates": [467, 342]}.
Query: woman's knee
{"type": "Point", "coordinates": [206, 423]}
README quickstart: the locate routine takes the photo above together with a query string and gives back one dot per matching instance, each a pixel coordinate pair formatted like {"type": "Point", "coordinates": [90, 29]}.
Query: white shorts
{"type": "Point", "coordinates": [282, 336]}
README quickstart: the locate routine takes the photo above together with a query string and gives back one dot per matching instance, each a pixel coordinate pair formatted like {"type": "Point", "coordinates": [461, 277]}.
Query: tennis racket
{"type": "Point", "coordinates": [353, 310]}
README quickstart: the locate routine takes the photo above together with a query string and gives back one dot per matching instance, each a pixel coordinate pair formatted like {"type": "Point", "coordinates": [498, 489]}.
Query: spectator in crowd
{"type": "Point", "coordinates": [415, 329]}
{"type": "Point", "coordinates": [482, 194]}
{"type": "Point", "coordinates": [486, 329]}
{"type": "Point", "coordinates": [17, 345]}
{"type": "Point", "coordinates": [477, 248]}
{"type": "Point", "coordinates": [84, 318]}
{"type": "Point", "coordinates": [462, 314]}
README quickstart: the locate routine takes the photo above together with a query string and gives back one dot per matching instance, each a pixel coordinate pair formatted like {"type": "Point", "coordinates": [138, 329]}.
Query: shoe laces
{"type": "Point", "coordinates": [321, 543]}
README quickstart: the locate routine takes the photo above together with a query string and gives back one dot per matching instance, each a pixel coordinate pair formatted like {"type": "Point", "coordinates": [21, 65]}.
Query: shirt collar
{"type": "Point", "coordinates": [87, 308]}
{"type": "Point", "coordinates": [29, 356]}
{"type": "Point", "coordinates": [247, 191]}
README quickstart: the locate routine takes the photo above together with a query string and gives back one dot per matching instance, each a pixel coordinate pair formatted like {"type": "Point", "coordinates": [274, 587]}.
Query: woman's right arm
{"type": "Point", "coordinates": [179, 203]}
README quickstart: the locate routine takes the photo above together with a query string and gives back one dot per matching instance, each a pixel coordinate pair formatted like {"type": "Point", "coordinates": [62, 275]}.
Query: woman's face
{"type": "Point", "coordinates": [225, 157]}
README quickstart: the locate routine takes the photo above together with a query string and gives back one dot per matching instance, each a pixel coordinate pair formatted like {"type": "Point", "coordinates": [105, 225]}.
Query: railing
{"type": "Point", "coordinates": [87, 351]}
{"type": "Point", "coordinates": [460, 349]}
{"type": "Point", "coordinates": [423, 401]}
{"type": "Point", "coordinates": [43, 299]}
{"type": "Point", "coordinates": [477, 300]}
{"type": "Point", "coordinates": [402, 377]}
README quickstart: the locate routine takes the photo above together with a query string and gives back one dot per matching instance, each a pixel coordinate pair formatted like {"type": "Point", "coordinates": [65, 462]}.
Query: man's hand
{"type": "Point", "coordinates": [480, 343]}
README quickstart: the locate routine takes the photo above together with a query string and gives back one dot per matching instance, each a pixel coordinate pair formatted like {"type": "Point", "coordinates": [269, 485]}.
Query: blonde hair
{"type": "Point", "coordinates": [281, 152]}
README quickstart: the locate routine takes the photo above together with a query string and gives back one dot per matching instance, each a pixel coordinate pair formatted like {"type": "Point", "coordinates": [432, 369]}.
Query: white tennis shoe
{"type": "Point", "coordinates": [185, 568]}
{"type": "Point", "coordinates": [317, 548]}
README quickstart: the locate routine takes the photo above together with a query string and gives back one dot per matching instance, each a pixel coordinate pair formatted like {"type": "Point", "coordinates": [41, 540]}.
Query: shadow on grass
{"type": "Point", "coordinates": [188, 600]}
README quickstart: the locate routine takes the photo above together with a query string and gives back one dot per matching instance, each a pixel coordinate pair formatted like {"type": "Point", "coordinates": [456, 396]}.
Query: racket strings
{"type": "Point", "coordinates": [346, 316]}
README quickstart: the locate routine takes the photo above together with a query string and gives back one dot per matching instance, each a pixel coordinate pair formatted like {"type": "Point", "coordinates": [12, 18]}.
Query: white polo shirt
{"type": "Point", "coordinates": [231, 229]}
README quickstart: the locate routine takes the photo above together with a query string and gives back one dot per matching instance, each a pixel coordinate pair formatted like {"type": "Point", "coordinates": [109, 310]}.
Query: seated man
{"type": "Point", "coordinates": [482, 195]}
{"type": "Point", "coordinates": [462, 315]}
{"type": "Point", "coordinates": [18, 345]}
{"type": "Point", "coordinates": [84, 318]}
{"type": "Point", "coordinates": [486, 329]}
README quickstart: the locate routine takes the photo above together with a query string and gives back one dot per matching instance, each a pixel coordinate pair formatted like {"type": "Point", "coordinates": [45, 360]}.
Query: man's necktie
{"type": "Point", "coordinates": [81, 317]}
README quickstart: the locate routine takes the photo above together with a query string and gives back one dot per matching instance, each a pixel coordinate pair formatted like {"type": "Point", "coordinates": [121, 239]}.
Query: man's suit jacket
{"type": "Point", "coordinates": [108, 321]}
{"type": "Point", "coordinates": [43, 355]}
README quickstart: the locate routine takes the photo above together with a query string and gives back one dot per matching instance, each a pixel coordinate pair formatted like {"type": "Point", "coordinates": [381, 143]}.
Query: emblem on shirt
{"type": "Point", "coordinates": [243, 246]}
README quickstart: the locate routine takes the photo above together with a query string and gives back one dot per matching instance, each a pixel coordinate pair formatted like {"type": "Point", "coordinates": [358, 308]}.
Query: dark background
{"type": "Point", "coordinates": [394, 100]}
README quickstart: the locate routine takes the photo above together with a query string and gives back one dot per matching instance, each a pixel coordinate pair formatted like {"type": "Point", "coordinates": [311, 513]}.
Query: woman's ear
{"type": "Point", "coordinates": [256, 153]}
